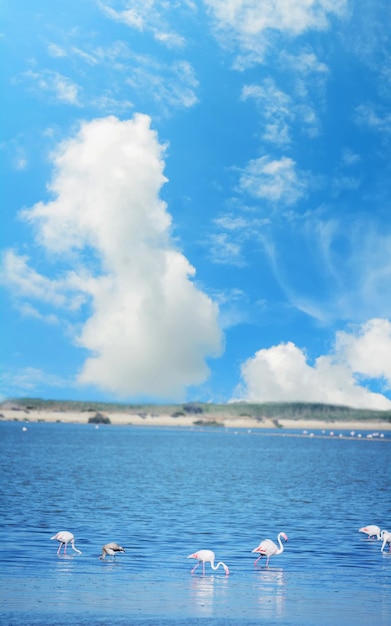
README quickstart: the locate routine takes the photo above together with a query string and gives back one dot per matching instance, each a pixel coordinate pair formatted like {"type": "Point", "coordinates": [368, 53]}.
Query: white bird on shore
{"type": "Point", "coordinates": [371, 530]}
{"type": "Point", "coordinates": [207, 556]}
{"type": "Point", "coordinates": [268, 548]}
{"type": "Point", "coordinates": [385, 536]}
{"type": "Point", "coordinates": [111, 549]}
{"type": "Point", "coordinates": [65, 537]}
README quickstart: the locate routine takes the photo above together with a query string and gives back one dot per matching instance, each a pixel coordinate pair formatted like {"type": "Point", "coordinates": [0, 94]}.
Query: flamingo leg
{"type": "Point", "coordinates": [256, 561]}
{"type": "Point", "coordinates": [203, 567]}
{"type": "Point", "coordinates": [194, 568]}
{"type": "Point", "coordinates": [59, 548]}
{"type": "Point", "coordinates": [267, 562]}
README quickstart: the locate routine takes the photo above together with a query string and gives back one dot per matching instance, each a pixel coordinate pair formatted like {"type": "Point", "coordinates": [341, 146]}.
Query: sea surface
{"type": "Point", "coordinates": [166, 493]}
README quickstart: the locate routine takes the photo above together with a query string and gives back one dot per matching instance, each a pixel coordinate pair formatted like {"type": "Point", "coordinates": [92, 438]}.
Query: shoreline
{"type": "Point", "coordinates": [191, 421]}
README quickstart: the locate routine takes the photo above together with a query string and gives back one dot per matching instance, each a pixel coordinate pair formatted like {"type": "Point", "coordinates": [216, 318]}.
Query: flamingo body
{"type": "Point", "coordinates": [268, 548]}
{"type": "Point", "coordinates": [111, 549]}
{"type": "Point", "coordinates": [371, 530]}
{"type": "Point", "coordinates": [207, 556]}
{"type": "Point", "coordinates": [65, 537]}
{"type": "Point", "coordinates": [385, 536]}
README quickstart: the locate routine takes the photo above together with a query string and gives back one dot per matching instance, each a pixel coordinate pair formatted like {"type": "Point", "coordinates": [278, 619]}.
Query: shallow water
{"type": "Point", "coordinates": [165, 493]}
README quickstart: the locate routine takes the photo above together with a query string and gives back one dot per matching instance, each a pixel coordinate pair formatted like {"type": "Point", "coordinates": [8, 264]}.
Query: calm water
{"type": "Point", "coordinates": [164, 494]}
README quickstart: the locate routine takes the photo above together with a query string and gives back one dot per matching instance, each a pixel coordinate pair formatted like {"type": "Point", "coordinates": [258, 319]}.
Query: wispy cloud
{"type": "Point", "coordinates": [29, 380]}
{"type": "Point", "coordinates": [251, 26]}
{"type": "Point", "coordinates": [171, 86]}
{"type": "Point", "coordinates": [273, 180]}
{"type": "Point", "coordinates": [374, 117]}
{"type": "Point", "coordinates": [275, 108]}
{"type": "Point", "coordinates": [345, 268]}
{"type": "Point", "coordinates": [222, 249]}
{"type": "Point", "coordinates": [149, 16]}
{"type": "Point", "coordinates": [54, 85]}
{"type": "Point", "coordinates": [27, 283]}
{"type": "Point", "coordinates": [349, 157]}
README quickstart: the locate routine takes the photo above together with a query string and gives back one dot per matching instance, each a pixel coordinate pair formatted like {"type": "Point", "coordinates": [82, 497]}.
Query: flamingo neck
{"type": "Point", "coordinates": [75, 549]}
{"type": "Point", "coordinates": [213, 566]}
{"type": "Point", "coordinates": [280, 543]}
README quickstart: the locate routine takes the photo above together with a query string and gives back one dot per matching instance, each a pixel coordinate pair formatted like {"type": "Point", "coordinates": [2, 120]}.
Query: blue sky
{"type": "Point", "coordinates": [197, 201]}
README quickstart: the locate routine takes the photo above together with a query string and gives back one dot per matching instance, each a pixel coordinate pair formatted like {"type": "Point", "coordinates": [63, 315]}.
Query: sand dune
{"type": "Point", "coordinates": [227, 421]}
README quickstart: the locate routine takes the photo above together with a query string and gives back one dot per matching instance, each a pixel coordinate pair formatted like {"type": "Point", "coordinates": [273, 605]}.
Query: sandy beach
{"type": "Point", "coordinates": [147, 419]}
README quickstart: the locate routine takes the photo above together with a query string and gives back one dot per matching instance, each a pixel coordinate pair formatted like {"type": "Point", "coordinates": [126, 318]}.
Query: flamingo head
{"type": "Point", "coordinates": [284, 536]}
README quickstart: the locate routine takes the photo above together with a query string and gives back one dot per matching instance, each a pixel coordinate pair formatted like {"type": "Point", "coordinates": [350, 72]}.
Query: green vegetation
{"type": "Point", "coordinates": [267, 410]}
{"type": "Point", "coordinates": [99, 419]}
{"type": "Point", "coordinates": [207, 423]}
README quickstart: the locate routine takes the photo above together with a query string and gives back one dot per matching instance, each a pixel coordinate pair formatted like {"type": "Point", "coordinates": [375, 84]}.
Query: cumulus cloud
{"type": "Point", "coordinates": [150, 329]}
{"type": "Point", "coordinates": [368, 350]}
{"type": "Point", "coordinates": [282, 373]}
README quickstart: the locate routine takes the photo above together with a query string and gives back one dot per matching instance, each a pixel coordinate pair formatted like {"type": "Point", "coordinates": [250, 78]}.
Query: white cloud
{"type": "Point", "coordinates": [132, 17]}
{"type": "Point", "coordinates": [297, 103]}
{"type": "Point", "coordinates": [150, 330]}
{"type": "Point", "coordinates": [282, 373]}
{"type": "Point", "coordinates": [349, 158]}
{"type": "Point", "coordinates": [276, 110]}
{"type": "Point", "coordinates": [56, 51]}
{"type": "Point", "coordinates": [273, 180]}
{"type": "Point", "coordinates": [368, 351]}
{"type": "Point", "coordinates": [54, 85]}
{"type": "Point", "coordinates": [306, 63]}
{"type": "Point", "coordinates": [28, 380]}
{"type": "Point", "coordinates": [224, 251]}
{"type": "Point", "coordinates": [27, 283]}
{"type": "Point", "coordinates": [345, 267]}
{"type": "Point", "coordinates": [147, 15]}
{"type": "Point", "coordinates": [170, 86]}
{"type": "Point", "coordinates": [249, 23]}
{"type": "Point", "coordinates": [376, 118]}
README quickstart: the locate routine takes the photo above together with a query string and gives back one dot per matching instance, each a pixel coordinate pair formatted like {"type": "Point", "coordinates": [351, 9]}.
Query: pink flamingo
{"type": "Point", "coordinates": [386, 538]}
{"type": "Point", "coordinates": [269, 548]}
{"type": "Point", "coordinates": [65, 537]}
{"type": "Point", "coordinates": [110, 549]}
{"type": "Point", "coordinates": [207, 556]}
{"type": "Point", "coordinates": [372, 531]}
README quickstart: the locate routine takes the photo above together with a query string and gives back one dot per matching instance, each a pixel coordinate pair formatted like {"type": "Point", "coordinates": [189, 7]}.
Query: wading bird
{"type": "Point", "coordinates": [371, 530]}
{"type": "Point", "coordinates": [65, 537]}
{"type": "Point", "coordinates": [207, 556]}
{"type": "Point", "coordinates": [110, 549]}
{"type": "Point", "coordinates": [268, 548]}
{"type": "Point", "coordinates": [385, 536]}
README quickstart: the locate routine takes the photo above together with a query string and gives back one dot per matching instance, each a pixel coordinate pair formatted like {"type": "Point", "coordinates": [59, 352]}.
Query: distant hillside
{"type": "Point", "coordinates": [270, 410]}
